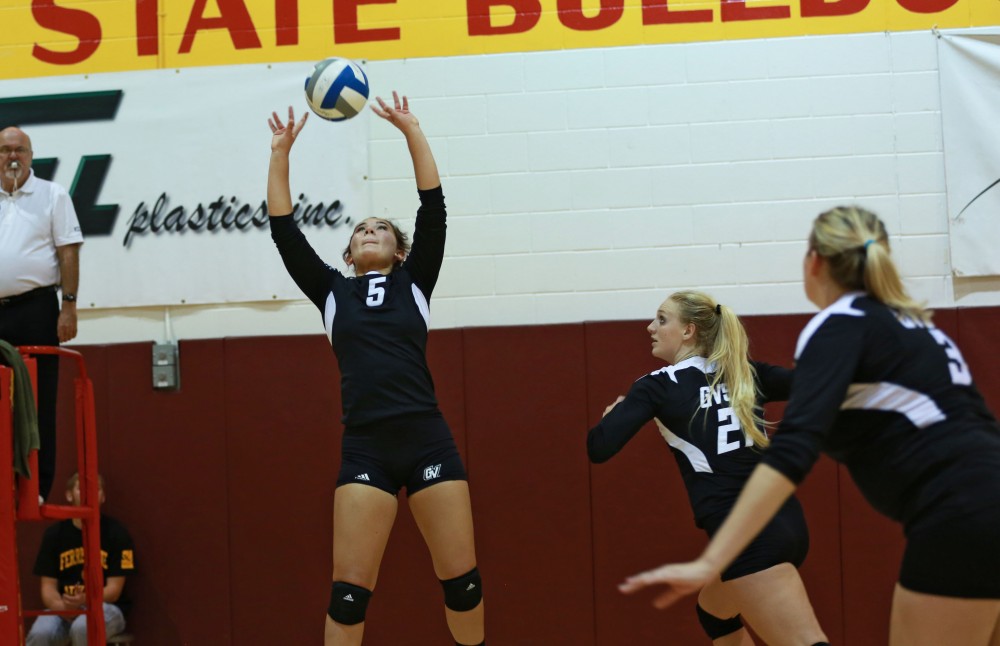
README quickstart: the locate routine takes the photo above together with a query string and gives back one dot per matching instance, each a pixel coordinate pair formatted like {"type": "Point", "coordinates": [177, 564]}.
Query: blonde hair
{"type": "Point", "coordinates": [720, 337]}
{"type": "Point", "coordinates": [855, 244]}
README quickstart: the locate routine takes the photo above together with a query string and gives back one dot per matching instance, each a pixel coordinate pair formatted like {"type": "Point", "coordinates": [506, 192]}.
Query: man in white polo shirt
{"type": "Point", "coordinates": [39, 253]}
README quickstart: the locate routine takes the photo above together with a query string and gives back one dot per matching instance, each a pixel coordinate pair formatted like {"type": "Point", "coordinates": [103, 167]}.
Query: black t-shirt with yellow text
{"type": "Point", "coordinates": [61, 556]}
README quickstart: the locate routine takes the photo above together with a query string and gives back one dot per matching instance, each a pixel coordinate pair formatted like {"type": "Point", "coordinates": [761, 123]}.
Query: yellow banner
{"type": "Point", "coordinates": [57, 37]}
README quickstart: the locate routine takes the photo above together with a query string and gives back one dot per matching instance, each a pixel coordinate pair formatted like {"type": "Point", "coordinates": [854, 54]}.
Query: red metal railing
{"type": "Point", "coordinates": [25, 491]}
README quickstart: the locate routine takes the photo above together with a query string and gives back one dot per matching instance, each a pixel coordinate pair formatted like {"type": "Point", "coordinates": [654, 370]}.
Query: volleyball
{"type": "Point", "coordinates": [337, 89]}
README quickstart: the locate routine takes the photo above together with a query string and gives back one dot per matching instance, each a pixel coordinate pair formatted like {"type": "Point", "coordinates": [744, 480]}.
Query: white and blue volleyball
{"type": "Point", "coordinates": [337, 89]}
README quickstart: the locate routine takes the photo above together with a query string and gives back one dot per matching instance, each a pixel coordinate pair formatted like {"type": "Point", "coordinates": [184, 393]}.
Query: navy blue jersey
{"type": "Point", "coordinates": [377, 324]}
{"type": "Point", "coordinates": [713, 452]}
{"type": "Point", "coordinates": [892, 399]}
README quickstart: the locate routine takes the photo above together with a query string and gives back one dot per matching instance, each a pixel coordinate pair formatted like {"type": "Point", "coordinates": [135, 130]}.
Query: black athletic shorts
{"type": "Point", "coordinates": [784, 540]}
{"type": "Point", "coordinates": [956, 558]}
{"type": "Point", "coordinates": [405, 451]}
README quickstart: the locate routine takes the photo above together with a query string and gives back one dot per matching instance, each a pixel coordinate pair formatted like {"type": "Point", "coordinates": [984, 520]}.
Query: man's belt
{"type": "Point", "coordinates": [28, 295]}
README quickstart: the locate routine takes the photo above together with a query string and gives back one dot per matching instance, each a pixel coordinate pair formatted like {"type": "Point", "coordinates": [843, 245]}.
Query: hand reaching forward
{"type": "Point", "coordinates": [681, 579]}
{"type": "Point", "coordinates": [398, 114]}
{"type": "Point", "coordinates": [284, 134]}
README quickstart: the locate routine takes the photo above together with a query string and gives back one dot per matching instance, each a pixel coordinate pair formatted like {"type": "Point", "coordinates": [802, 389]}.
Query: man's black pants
{"type": "Point", "coordinates": [32, 319]}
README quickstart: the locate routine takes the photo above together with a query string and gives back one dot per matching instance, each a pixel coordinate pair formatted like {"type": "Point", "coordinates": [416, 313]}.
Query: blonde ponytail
{"type": "Point", "coordinates": [856, 246]}
{"type": "Point", "coordinates": [721, 338]}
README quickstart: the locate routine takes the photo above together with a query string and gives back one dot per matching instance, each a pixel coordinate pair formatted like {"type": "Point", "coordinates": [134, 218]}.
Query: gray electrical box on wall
{"type": "Point", "coordinates": [166, 366]}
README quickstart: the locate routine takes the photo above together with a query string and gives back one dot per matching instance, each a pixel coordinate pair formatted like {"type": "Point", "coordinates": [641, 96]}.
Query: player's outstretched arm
{"type": "Point", "coordinates": [279, 195]}
{"type": "Point", "coordinates": [763, 495]}
{"type": "Point", "coordinates": [399, 115]}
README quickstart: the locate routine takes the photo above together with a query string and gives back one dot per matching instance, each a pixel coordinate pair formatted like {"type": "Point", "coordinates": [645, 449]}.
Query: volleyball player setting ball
{"type": "Point", "coordinates": [394, 434]}
{"type": "Point", "coordinates": [882, 390]}
{"type": "Point", "coordinates": [705, 403]}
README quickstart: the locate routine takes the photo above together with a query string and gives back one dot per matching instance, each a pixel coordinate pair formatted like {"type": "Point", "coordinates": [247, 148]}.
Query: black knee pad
{"type": "Point", "coordinates": [464, 592]}
{"type": "Point", "coordinates": [348, 603]}
{"type": "Point", "coordinates": [715, 627]}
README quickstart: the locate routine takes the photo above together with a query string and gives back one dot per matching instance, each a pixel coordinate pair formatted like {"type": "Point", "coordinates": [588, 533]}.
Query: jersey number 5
{"type": "Point", "coordinates": [729, 422]}
{"type": "Point", "coordinates": [376, 292]}
{"type": "Point", "coordinates": [960, 374]}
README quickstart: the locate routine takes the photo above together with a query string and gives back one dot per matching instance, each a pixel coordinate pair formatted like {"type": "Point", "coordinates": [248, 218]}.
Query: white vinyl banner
{"type": "Point", "coordinates": [970, 100]}
{"type": "Point", "coordinates": [168, 170]}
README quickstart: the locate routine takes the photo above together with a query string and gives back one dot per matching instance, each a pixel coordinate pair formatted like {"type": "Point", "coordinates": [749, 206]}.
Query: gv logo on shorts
{"type": "Point", "coordinates": [432, 472]}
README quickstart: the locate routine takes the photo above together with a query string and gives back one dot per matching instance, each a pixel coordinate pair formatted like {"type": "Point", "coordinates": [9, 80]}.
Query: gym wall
{"type": "Point", "coordinates": [227, 487]}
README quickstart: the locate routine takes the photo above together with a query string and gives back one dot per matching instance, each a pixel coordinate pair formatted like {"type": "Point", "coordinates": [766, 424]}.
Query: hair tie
{"type": "Point", "coordinates": [868, 243]}
{"type": "Point", "coordinates": [718, 309]}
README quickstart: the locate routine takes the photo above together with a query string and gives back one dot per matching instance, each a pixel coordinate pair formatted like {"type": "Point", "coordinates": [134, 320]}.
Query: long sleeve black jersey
{"type": "Point", "coordinates": [377, 324]}
{"type": "Point", "coordinates": [893, 399]}
{"type": "Point", "coordinates": [713, 452]}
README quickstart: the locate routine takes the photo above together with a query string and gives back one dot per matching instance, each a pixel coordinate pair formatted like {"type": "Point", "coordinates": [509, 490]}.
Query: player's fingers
{"type": "Point", "coordinates": [629, 587]}
{"type": "Point", "coordinates": [666, 599]}
{"type": "Point", "coordinates": [302, 122]}
{"type": "Point", "coordinates": [634, 583]}
{"type": "Point", "coordinates": [395, 99]}
{"type": "Point", "coordinates": [406, 103]}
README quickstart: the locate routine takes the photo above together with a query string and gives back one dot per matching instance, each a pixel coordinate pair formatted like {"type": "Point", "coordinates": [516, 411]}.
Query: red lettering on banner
{"type": "Point", "coordinates": [286, 22]}
{"type": "Point", "coordinates": [526, 16]}
{"type": "Point", "coordinates": [147, 34]}
{"type": "Point", "coordinates": [233, 16]}
{"type": "Point", "coordinates": [734, 10]}
{"type": "Point", "coordinates": [75, 22]}
{"type": "Point", "coordinates": [571, 14]}
{"type": "Point", "coordinates": [345, 23]}
{"type": "Point", "coordinates": [926, 6]}
{"type": "Point", "coordinates": [821, 8]}
{"type": "Point", "coordinates": [656, 12]}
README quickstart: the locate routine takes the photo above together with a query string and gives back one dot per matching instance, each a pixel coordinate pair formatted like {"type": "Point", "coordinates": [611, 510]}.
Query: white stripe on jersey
{"type": "Point", "coordinates": [693, 453]}
{"type": "Point", "coordinates": [917, 407]}
{"type": "Point", "coordinates": [691, 362]}
{"type": "Point", "coordinates": [843, 305]}
{"type": "Point", "coordinates": [328, 313]}
{"type": "Point", "coordinates": [425, 310]}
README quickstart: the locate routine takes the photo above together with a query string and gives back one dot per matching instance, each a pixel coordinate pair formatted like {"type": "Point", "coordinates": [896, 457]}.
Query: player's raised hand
{"type": "Point", "coordinates": [283, 134]}
{"type": "Point", "coordinates": [398, 114]}
{"type": "Point", "coordinates": [680, 579]}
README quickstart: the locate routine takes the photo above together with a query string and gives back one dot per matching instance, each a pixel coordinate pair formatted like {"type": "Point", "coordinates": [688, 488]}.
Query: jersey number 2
{"type": "Point", "coordinates": [729, 422]}
{"type": "Point", "coordinates": [376, 292]}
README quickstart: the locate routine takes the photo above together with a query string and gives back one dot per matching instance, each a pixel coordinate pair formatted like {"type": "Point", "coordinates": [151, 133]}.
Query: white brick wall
{"type": "Point", "coordinates": [588, 184]}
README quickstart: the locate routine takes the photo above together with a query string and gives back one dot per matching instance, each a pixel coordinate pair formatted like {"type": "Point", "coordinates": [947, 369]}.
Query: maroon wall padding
{"type": "Point", "coordinates": [526, 417]}
{"type": "Point", "coordinates": [872, 551]}
{"type": "Point", "coordinates": [773, 340]}
{"type": "Point", "coordinates": [282, 406]}
{"type": "Point", "coordinates": [227, 487]}
{"type": "Point", "coordinates": [978, 330]}
{"type": "Point", "coordinates": [168, 459]}
{"type": "Point", "coordinates": [641, 514]}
